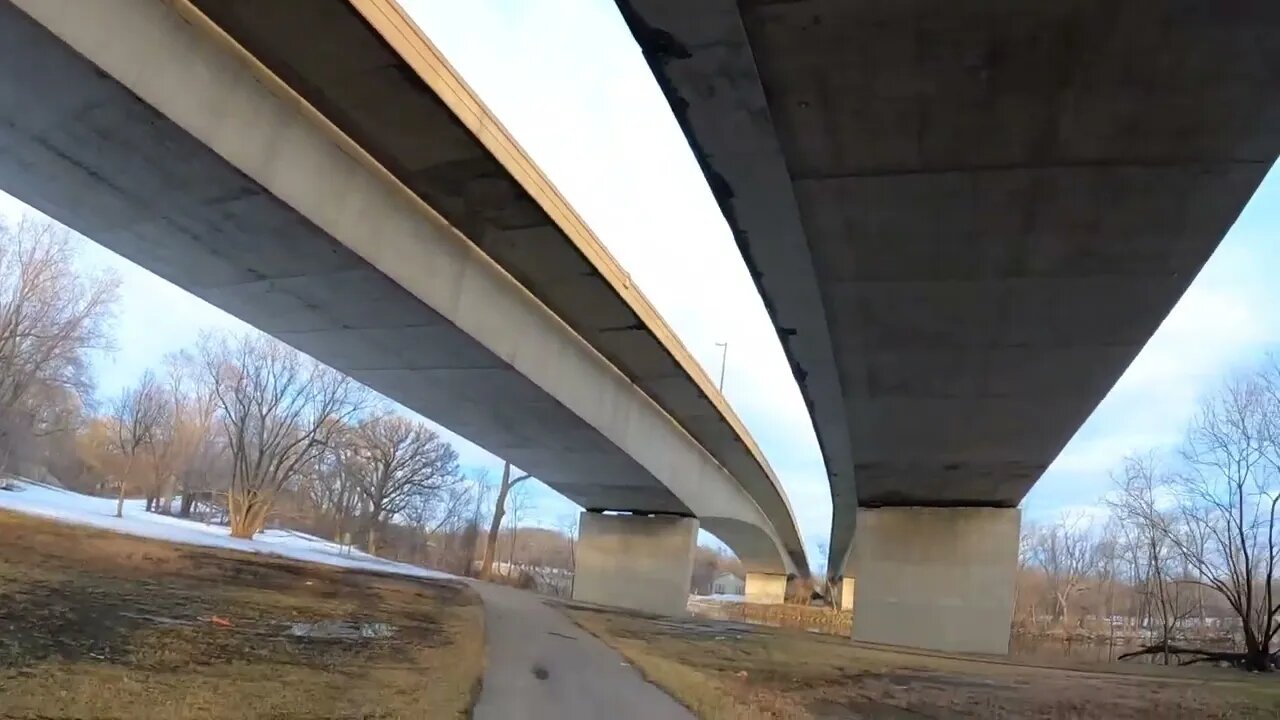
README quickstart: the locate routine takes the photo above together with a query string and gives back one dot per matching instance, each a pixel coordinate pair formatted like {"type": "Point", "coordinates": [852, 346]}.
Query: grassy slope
{"type": "Point", "coordinates": [94, 624]}
{"type": "Point", "coordinates": [720, 672]}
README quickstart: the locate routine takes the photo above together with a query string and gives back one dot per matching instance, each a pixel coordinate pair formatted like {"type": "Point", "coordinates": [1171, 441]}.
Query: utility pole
{"type": "Point", "coordinates": [724, 357]}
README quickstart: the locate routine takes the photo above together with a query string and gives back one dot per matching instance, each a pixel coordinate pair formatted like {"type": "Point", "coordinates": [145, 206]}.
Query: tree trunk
{"type": "Point", "coordinates": [248, 514]}
{"type": "Point", "coordinates": [166, 495]}
{"type": "Point", "coordinates": [499, 509]}
{"type": "Point", "coordinates": [373, 537]}
{"type": "Point", "coordinates": [124, 480]}
{"type": "Point", "coordinates": [511, 556]}
{"type": "Point", "coordinates": [242, 527]}
{"type": "Point", "coordinates": [1256, 655]}
{"type": "Point", "coordinates": [340, 514]}
{"type": "Point", "coordinates": [120, 499]}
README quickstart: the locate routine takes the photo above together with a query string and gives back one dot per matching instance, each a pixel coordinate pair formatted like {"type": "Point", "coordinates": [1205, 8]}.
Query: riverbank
{"type": "Point", "coordinates": [733, 670]}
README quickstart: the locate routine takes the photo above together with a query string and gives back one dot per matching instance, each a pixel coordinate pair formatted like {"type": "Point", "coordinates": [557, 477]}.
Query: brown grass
{"type": "Point", "coordinates": [812, 618]}
{"type": "Point", "coordinates": [722, 670]}
{"type": "Point", "coordinates": [94, 624]}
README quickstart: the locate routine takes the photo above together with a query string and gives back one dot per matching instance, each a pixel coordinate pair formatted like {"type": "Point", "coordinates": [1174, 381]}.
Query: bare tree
{"type": "Point", "coordinates": [1225, 509]}
{"type": "Point", "coordinates": [517, 503]}
{"type": "Point", "coordinates": [444, 511]}
{"type": "Point", "coordinates": [399, 459]}
{"type": "Point", "coordinates": [499, 509]}
{"type": "Point", "coordinates": [1026, 597]}
{"type": "Point", "coordinates": [1145, 545]}
{"type": "Point", "coordinates": [1109, 558]}
{"type": "Point", "coordinates": [278, 410]}
{"type": "Point", "coordinates": [568, 525]}
{"type": "Point", "coordinates": [1064, 551]}
{"type": "Point", "coordinates": [51, 317]}
{"type": "Point", "coordinates": [95, 447]}
{"type": "Point", "coordinates": [436, 514]}
{"type": "Point", "coordinates": [136, 415]}
{"type": "Point", "coordinates": [181, 441]}
{"type": "Point", "coordinates": [329, 481]}
{"type": "Point", "coordinates": [469, 542]}
{"type": "Point", "coordinates": [1218, 514]}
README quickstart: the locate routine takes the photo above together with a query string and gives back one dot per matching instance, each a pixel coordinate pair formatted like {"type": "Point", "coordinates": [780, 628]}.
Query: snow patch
{"type": "Point", "coordinates": [721, 597]}
{"type": "Point", "coordinates": [32, 498]}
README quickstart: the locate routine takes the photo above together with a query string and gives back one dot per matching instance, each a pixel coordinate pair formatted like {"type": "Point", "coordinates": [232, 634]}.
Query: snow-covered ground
{"type": "Point", "coordinates": [720, 597]}
{"type": "Point", "coordinates": [65, 506]}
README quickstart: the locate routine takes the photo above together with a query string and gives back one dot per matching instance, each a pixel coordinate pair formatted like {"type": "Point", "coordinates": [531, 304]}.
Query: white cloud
{"type": "Point", "coordinates": [1213, 328]}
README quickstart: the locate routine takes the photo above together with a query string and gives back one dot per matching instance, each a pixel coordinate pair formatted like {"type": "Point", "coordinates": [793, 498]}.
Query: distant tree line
{"type": "Point", "coordinates": [1187, 555]}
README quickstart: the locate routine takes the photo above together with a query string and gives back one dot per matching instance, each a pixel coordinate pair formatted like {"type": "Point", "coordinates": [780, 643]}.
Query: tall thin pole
{"type": "Point", "coordinates": [724, 357]}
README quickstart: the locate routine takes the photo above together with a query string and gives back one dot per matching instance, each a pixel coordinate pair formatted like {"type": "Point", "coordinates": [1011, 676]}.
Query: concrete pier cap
{"type": "Point", "coordinates": [938, 578]}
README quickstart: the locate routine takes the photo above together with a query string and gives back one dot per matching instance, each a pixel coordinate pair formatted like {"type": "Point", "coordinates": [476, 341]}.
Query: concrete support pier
{"type": "Point", "coordinates": [638, 562]}
{"type": "Point", "coordinates": [766, 588]}
{"type": "Point", "coordinates": [935, 578]}
{"type": "Point", "coordinates": [843, 593]}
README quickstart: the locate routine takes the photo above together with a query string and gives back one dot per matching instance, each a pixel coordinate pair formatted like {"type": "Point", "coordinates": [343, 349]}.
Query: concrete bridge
{"type": "Point", "coordinates": [966, 218]}
{"type": "Point", "coordinates": [317, 169]}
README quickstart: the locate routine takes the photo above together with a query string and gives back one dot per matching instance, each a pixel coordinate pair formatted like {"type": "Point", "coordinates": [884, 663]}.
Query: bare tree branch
{"type": "Point", "coordinates": [279, 410]}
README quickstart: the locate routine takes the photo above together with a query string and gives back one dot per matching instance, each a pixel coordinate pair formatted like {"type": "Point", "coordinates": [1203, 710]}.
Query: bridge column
{"type": "Point", "coordinates": [766, 588]}
{"type": "Point", "coordinates": [936, 578]}
{"type": "Point", "coordinates": [843, 594]}
{"type": "Point", "coordinates": [637, 562]}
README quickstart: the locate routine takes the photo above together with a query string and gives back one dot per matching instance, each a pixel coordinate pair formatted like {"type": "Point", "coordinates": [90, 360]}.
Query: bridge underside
{"type": "Point", "coordinates": [966, 219]}
{"type": "Point", "coordinates": [997, 203]}
{"type": "Point", "coordinates": [377, 93]}
{"type": "Point", "coordinates": [203, 175]}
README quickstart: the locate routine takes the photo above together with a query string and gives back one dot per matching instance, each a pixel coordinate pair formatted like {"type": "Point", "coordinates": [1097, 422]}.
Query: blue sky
{"type": "Point", "coordinates": [569, 83]}
{"type": "Point", "coordinates": [1226, 322]}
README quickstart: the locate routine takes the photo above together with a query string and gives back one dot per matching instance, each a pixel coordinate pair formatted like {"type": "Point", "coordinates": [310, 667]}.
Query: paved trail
{"type": "Point", "coordinates": [539, 665]}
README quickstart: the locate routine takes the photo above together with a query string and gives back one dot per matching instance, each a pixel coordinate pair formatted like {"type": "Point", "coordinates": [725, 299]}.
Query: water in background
{"type": "Point", "coordinates": [1057, 651]}
{"type": "Point", "coordinates": [1051, 651]}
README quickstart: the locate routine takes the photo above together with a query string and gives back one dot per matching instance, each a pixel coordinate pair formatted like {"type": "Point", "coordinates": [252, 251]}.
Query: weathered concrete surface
{"type": "Point", "coordinates": [635, 561]}
{"type": "Point", "coordinates": [540, 665]}
{"type": "Point", "coordinates": [163, 140]}
{"type": "Point", "coordinates": [967, 218]}
{"type": "Point", "coordinates": [766, 589]}
{"type": "Point", "coordinates": [936, 578]}
{"type": "Point", "coordinates": [391, 92]}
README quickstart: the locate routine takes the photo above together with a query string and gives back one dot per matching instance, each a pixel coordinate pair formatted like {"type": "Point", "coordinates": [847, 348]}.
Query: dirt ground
{"type": "Point", "coordinates": [730, 670]}
{"type": "Point", "coordinates": [98, 625]}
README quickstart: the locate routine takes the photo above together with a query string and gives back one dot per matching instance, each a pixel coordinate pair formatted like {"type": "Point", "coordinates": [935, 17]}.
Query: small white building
{"type": "Point", "coordinates": [727, 583]}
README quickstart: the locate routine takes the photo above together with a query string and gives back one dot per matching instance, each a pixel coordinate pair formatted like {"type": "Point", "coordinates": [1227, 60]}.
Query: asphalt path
{"type": "Point", "coordinates": [539, 665]}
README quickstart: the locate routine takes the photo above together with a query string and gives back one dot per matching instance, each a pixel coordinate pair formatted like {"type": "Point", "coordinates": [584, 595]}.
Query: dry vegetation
{"type": "Point", "coordinates": [724, 670]}
{"type": "Point", "coordinates": [101, 625]}
{"type": "Point", "coordinates": [1187, 561]}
